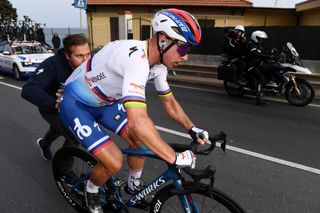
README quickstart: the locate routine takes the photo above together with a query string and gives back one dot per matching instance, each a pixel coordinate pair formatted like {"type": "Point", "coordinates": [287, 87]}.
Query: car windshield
{"type": "Point", "coordinates": [37, 49]}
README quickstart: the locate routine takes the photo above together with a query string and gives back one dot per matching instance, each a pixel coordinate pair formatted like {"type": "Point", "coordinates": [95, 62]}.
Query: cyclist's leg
{"type": "Point", "coordinates": [115, 119]}
{"type": "Point", "coordinates": [80, 119]}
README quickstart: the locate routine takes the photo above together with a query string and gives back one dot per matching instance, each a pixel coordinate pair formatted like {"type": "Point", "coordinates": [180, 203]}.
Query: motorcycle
{"type": "Point", "coordinates": [297, 91]}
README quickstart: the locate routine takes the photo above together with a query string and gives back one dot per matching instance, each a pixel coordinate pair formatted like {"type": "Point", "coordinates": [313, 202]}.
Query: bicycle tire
{"type": "Point", "coordinates": [83, 162]}
{"type": "Point", "coordinates": [220, 201]}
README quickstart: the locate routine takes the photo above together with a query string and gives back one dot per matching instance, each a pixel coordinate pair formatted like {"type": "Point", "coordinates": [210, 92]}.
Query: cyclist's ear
{"type": "Point", "coordinates": [162, 43]}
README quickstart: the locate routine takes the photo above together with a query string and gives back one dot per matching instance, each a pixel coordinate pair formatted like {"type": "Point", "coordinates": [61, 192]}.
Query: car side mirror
{"type": "Point", "coordinates": [6, 53]}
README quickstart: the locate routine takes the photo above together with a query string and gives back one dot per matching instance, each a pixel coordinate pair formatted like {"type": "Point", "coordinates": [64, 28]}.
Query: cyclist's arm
{"type": "Point", "coordinates": [135, 75]}
{"type": "Point", "coordinates": [170, 104]}
{"type": "Point", "coordinates": [143, 128]}
{"type": "Point", "coordinates": [175, 111]}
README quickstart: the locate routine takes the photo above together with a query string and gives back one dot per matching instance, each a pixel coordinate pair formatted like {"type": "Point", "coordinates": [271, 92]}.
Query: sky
{"type": "Point", "coordinates": [54, 13]}
{"type": "Point", "coordinates": [60, 13]}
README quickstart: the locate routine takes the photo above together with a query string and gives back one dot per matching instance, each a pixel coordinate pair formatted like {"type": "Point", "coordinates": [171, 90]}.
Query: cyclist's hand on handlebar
{"type": "Point", "coordinates": [199, 135]}
{"type": "Point", "coordinates": [186, 159]}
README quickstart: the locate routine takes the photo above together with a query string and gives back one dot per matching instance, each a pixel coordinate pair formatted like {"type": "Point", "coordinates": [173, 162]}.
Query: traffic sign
{"type": "Point", "coordinates": [80, 4]}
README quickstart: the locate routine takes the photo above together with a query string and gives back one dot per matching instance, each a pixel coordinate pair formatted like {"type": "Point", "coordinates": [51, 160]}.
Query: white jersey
{"type": "Point", "coordinates": [119, 70]}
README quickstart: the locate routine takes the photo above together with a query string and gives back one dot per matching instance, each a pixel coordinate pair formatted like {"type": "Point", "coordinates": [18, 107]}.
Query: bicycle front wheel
{"type": "Point", "coordinates": [79, 163]}
{"type": "Point", "coordinates": [167, 201]}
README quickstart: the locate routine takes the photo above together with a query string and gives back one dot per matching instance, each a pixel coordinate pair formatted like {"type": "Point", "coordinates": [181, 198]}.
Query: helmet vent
{"type": "Point", "coordinates": [177, 30]}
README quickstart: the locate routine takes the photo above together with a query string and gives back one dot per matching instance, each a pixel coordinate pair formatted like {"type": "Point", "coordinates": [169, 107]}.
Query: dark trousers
{"type": "Point", "coordinates": [259, 77]}
{"type": "Point", "coordinates": [242, 66]}
{"type": "Point", "coordinates": [272, 70]}
{"type": "Point", "coordinates": [56, 130]}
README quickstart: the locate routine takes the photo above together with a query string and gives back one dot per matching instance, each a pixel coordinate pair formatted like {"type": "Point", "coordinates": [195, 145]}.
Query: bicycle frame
{"type": "Point", "coordinates": [172, 173]}
{"type": "Point", "coordinates": [182, 189]}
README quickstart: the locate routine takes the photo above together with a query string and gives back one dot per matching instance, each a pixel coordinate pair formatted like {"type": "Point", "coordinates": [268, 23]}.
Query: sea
{"type": "Point", "coordinates": [62, 32]}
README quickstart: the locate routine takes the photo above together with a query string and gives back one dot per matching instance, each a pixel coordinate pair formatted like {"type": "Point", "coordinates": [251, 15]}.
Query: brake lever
{"type": "Point", "coordinates": [215, 138]}
{"type": "Point", "coordinates": [222, 139]}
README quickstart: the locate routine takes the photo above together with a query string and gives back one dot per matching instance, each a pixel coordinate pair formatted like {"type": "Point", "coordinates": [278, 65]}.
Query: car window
{"type": "Point", "coordinates": [6, 48]}
{"type": "Point", "coordinates": [17, 50]}
{"type": "Point", "coordinates": [37, 49]}
{"type": "Point", "coordinates": [1, 48]}
{"type": "Point", "coordinates": [30, 49]}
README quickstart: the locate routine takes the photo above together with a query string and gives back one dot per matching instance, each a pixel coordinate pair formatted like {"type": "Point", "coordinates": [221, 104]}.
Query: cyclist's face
{"type": "Point", "coordinates": [176, 54]}
{"type": "Point", "coordinates": [78, 55]}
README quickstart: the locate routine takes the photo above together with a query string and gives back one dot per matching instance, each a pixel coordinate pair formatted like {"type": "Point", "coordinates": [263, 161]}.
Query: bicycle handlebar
{"type": "Point", "coordinates": [194, 146]}
{"type": "Point", "coordinates": [209, 172]}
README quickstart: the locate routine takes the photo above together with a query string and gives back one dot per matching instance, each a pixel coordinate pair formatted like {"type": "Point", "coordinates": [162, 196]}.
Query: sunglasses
{"type": "Point", "coordinates": [183, 49]}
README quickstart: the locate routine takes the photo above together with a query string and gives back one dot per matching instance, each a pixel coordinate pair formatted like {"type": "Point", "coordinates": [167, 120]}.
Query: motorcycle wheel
{"type": "Point", "coordinates": [306, 93]}
{"type": "Point", "coordinates": [233, 89]}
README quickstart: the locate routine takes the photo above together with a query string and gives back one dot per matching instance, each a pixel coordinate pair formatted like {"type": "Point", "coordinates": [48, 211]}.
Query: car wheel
{"type": "Point", "coordinates": [16, 72]}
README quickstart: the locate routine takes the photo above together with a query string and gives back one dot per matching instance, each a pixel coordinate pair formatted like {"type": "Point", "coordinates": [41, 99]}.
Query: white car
{"type": "Point", "coordinates": [22, 58]}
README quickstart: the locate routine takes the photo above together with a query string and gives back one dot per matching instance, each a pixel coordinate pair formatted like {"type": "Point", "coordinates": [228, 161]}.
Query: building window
{"type": "Point", "coordinates": [207, 23]}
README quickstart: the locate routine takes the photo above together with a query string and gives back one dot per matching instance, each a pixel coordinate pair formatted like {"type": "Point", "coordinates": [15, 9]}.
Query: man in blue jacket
{"type": "Point", "coordinates": [42, 87]}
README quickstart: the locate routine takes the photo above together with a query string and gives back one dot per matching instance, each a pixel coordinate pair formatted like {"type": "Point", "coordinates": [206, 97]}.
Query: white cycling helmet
{"type": "Point", "coordinates": [240, 28]}
{"type": "Point", "coordinates": [177, 24]}
{"type": "Point", "coordinates": [257, 35]}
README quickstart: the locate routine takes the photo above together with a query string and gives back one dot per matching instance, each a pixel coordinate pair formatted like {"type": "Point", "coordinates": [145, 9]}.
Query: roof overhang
{"type": "Point", "coordinates": [308, 5]}
{"type": "Point", "coordinates": [195, 3]}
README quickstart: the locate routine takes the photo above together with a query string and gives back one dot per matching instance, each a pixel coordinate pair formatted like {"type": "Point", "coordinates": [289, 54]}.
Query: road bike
{"type": "Point", "coordinates": [175, 190]}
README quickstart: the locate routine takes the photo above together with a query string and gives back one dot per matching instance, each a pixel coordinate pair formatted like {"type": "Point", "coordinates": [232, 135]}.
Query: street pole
{"type": "Point", "coordinates": [80, 21]}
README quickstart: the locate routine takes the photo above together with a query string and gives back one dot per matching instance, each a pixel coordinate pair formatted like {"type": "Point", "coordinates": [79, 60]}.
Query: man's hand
{"type": "Point", "coordinates": [186, 159]}
{"type": "Point", "coordinates": [199, 135]}
{"type": "Point", "coordinates": [58, 100]}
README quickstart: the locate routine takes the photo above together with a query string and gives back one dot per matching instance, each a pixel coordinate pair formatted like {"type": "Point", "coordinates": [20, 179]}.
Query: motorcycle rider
{"type": "Point", "coordinates": [254, 57]}
{"type": "Point", "coordinates": [235, 47]}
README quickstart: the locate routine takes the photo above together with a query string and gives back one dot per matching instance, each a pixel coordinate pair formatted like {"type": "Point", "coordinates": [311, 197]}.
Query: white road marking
{"type": "Point", "coordinates": [10, 85]}
{"type": "Point", "coordinates": [235, 149]}
{"type": "Point", "coordinates": [250, 153]}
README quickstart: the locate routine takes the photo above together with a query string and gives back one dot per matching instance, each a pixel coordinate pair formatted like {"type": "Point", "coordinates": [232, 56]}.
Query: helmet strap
{"type": "Point", "coordinates": [161, 50]}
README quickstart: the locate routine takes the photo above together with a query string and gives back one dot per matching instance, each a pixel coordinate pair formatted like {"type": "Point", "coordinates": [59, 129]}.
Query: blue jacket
{"type": "Point", "coordinates": [42, 86]}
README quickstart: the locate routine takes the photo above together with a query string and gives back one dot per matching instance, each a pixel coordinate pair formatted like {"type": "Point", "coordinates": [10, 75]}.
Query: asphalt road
{"type": "Point", "coordinates": [272, 163]}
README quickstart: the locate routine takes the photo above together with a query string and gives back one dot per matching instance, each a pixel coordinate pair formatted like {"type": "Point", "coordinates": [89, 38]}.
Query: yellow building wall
{"type": "Point", "coordinates": [269, 18]}
{"type": "Point", "coordinates": [310, 17]}
{"type": "Point", "coordinates": [136, 22]}
{"type": "Point", "coordinates": [100, 29]}
{"type": "Point", "coordinates": [223, 18]}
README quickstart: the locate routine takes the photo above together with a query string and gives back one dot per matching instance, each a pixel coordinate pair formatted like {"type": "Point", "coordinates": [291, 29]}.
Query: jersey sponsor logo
{"type": "Point", "coordinates": [133, 49]}
{"type": "Point", "coordinates": [144, 54]}
{"type": "Point", "coordinates": [40, 71]}
{"type": "Point", "coordinates": [81, 130]}
{"type": "Point", "coordinates": [117, 117]}
{"type": "Point", "coordinates": [97, 78]}
{"type": "Point", "coordinates": [95, 124]}
{"type": "Point", "coordinates": [151, 75]}
{"type": "Point", "coordinates": [135, 88]}
{"type": "Point", "coordinates": [121, 108]}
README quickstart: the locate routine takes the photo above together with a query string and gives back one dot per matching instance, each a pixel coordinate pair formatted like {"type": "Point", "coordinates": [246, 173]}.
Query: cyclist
{"type": "Point", "coordinates": [109, 90]}
{"type": "Point", "coordinates": [42, 87]}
